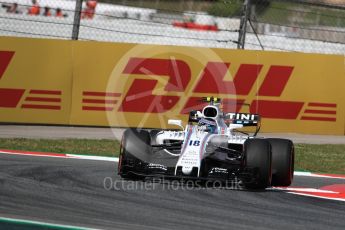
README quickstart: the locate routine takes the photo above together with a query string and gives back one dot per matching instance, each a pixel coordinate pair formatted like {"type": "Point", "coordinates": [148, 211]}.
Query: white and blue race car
{"type": "Point", "coordinates": [209, 147]}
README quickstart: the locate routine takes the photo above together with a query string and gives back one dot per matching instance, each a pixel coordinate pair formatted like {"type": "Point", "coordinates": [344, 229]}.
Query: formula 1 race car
{"type": "Point", "coordinates": [209, 147]}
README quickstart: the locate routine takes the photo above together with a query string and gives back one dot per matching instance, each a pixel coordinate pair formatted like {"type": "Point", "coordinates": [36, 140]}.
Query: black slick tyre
{"type": "Point", "coordinates": [134, 143]}
{"type": "Point", "coordinates": [282, 161]}
{"type": "Point", "coordinates": [258, 157]}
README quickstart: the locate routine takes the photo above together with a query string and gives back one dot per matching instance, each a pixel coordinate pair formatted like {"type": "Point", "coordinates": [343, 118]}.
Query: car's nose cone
{"type": "Point", "coordinates": [187, 170]}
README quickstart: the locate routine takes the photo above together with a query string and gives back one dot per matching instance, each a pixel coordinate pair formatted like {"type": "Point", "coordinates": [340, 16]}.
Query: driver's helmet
{"type": "Point", "coordinates": [209, 123]}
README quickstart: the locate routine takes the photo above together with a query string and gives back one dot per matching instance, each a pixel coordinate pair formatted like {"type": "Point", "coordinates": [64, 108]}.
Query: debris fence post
{"type": "Point", "coordinates": [243, 24]}
{"type": "Point", "coordinates": [76, 21]}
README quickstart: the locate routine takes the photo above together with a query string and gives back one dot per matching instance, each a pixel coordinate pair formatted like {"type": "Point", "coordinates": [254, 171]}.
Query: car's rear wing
{"type": "Point", "coordinates": [245, 119]}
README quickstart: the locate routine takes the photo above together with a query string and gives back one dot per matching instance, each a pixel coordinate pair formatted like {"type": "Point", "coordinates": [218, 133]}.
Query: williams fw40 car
{"type": "Point", "coordinates": [209, 147]}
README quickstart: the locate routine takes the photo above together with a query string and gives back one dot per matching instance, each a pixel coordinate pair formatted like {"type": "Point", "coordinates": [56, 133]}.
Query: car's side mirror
{"type": "Point", "coordinates": [175, 122]}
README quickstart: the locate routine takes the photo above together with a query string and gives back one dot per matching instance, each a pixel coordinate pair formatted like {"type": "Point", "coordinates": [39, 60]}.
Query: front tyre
{"type": "Point", "coordinates": [258, 157]}
{"type": "Point", "coordinates": [134, 143]}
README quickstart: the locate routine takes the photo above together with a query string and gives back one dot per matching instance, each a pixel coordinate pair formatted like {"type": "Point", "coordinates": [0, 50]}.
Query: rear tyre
{"type": "Point", "coordinates": [258, 157]}
{"type": "Point", "coordinates": [134, 143]}
{"type": "Point", "coordinates": [282, 161]}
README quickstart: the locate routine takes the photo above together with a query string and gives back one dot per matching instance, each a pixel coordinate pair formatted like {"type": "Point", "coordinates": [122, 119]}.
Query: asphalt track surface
{"type": "Point", "coordinates": [72, 192]}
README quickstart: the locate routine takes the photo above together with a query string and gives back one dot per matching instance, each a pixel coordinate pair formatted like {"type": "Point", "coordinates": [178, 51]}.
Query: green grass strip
{"type": "Point", "coordinates": [324, 158]}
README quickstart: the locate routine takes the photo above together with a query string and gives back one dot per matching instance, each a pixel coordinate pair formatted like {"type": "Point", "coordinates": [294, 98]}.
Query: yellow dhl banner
{"type": "Point", "coordinates": [35, 80]}
{"type": "Point", "coordinates": [113, 84]}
